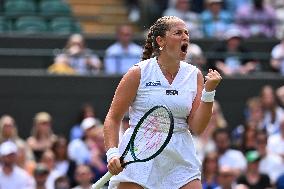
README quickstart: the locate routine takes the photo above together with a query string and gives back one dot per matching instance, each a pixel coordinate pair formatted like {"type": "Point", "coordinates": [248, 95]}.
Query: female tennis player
{"type": "Point", "coordinates": [162, 78]}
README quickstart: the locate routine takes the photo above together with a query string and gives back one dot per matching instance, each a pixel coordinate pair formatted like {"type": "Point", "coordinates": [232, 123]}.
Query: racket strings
{"type": "Point", "coordinates": [152, 134]}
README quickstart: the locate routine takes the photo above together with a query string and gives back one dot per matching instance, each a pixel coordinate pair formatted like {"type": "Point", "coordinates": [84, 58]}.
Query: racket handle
{"type": "Point", "coordinates": [100, 183]}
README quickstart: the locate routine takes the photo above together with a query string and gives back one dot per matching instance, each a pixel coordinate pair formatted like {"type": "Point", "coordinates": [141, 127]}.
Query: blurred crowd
{"type": "Point", "coordinates": [230, 22]}
{"type": "Point", "coordinates": [248, 156]}
{"type": "Point", "coordinates": [211, 18]}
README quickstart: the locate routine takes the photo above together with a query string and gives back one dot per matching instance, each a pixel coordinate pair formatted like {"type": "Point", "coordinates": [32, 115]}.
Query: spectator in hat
{"type": "Point", "coordinates": [215, 19]}
{"type": "Point", "coordinates": [195, 56]}
{"type": "Point", "coordinates": [87, 110]}
{"type": "Point", "coordinates": [226, 178]}
{"type": "Point", "coordinates": [232, 56]}
{"type": "Point", "coordinates": [79, 149]}
{"type": "Point", "coordinates": [11, 175]}
{"type": "Point", "coordinates": [9, 131]}
{"type": "Point", "coordinates": [40, 174]}
{"type": "Point", "coordinates": [252, 177]}
{"type": "Point", "coordinates": [42, 136]}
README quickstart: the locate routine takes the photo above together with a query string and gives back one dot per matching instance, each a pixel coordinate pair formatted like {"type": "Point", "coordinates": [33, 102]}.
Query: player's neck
{"type": "Point", "coordinates": [168, 67]}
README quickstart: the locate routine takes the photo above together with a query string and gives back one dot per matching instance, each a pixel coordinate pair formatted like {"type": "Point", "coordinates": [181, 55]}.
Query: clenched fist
{"type": "Point", "coordinates": [212, 79]}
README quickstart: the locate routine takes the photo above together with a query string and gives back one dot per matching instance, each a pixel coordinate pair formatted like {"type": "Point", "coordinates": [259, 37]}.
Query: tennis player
{"type": "Point", "coordinates": [162, 78]}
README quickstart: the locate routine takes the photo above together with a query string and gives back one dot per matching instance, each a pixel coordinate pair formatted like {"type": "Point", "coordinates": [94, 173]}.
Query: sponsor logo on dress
{"type": "Point", "coordinates": [171, 92]}
{"type": "Point", "coordinates": [153, 83]}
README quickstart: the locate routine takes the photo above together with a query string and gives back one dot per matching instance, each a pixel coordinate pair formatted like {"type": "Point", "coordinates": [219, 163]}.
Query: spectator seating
{"type": "Point", "coordinates": [30, 24]}
{"type": "Point", "coordinates": [19, 7]}
{"type": "Point", "coordinates": [64, 25]}
{"type": "Point", "coordinates": [37, 16]}
{"type": "Point", "coordinates": [54, 7]}
{"type": "Point", "coordinates": [4, 24]}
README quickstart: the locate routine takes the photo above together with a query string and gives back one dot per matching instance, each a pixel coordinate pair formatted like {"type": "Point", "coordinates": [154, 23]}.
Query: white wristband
{"type": "Point", "coordinates": [208, 96]}
{"type": "Point", "coordinates": [112, 152]}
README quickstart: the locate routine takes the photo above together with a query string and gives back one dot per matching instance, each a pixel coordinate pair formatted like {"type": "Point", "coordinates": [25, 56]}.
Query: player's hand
{"type": "Point", "coordinates": [212, 79]}
{"type": "Point", "coordinates": [114, 166]}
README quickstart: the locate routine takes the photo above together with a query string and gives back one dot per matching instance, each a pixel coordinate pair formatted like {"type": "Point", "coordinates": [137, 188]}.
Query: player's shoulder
{"type": "Point", "coordinates": [190, 68]}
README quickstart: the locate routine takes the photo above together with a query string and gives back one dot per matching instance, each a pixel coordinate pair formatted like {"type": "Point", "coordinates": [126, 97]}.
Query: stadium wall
{"type": "Point", "coordinates": [24, 94]}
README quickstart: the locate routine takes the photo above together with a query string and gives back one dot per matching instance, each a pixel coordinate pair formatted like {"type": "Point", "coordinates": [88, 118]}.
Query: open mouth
{"type": "Point", "coordinates": [184, 47]}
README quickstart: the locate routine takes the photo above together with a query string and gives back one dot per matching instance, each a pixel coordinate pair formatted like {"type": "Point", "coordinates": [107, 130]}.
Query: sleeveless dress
{"type": "Point", "coordinates": [178, 163]}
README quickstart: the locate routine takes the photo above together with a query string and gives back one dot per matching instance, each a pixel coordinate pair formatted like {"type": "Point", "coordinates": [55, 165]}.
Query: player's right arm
{"type": "Point", "coordinates": [123, 98]}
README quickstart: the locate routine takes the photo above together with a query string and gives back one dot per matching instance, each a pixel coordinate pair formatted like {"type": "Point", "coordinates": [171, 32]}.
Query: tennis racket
{"type": "Point", "coordinates": [150, 136]}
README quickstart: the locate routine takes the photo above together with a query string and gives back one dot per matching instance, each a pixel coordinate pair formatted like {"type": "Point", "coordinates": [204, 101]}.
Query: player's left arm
{"type": "Point", "coordinates": [201, 111]}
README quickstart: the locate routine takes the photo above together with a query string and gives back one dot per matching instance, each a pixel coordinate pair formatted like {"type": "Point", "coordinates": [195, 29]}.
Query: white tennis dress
{"type": "Point", "coordinates": [178, 163]}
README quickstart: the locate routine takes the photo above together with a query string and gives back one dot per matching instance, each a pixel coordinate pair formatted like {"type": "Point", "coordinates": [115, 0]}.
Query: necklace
{"type": "Point", "coordinates": [165, 69]}
{"type": "Point", "coordinates": [171, 75]}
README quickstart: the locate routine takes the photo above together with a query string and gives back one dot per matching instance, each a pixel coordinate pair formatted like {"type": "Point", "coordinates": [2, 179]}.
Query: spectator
{"type": "Point", "coordinates": [195, 56]}
{"type": "Point", "coordinates": [215, 20]}
{"type": "Point", "coordinates": [84, 177]}
{"type": "Point", "coordinates": [81, 58]}
{"type": "Point", "coordinates": [232, 56]}
{"type": "Point", "coordinates": [269, 161]}
{"type": "Point", "coordinates": [226, 178]}
{"type": "Point", "coordinates": [123, 54]}
{"type": "Point", "coordinates": [278, 7]}
{"type": "Point", "coordinates": [62, 182]}
{"type": "Point", "coordinates": [40, 174]}
{"type": "Point", "coordinates": [248, 141]}
{"type": "Point", "coordinates": [133, 9]}
{"type": "Point", "coordinates": [204, 142]}
{"type": "Point", "coordinates": [23, 161]}
{"type": "Point", "coordinates": [252, 177]}
{"type": "Point", "coordinates": [80, 150]}
{"type": "Point", "coordinates": [280, 95]}
{"type": "Point", "coordinates": [61, 66]}
{"type": "Point", "coordinates": [228, 157]}
{"type": "Point", "coordinates": [217, 120]}
{"type": "Point", "coordinates": [9, 131]}
{"type": "Point", "coordinates": [87, 110]}
{"type": "Point", "coordinates": [256, 20]}
{"type": "Point", "coordinates": [255, 113]}
{"type": "Point", "coordinates": [98, 161]}
{"type": "Point", "coordinates": [272, 111]}
{"type": "Point", "coordinates": [277, 57]}
{"type": "Point", "coordinates": [48, 159]}
{"type": "Point", "coordinates": [232, 5]}
{"type": "Point", "coordinates": [276, 142]}
{"type": "Point", "coordinates": [12, 176]}
{"type": "Point", "coordinates": [42, 136]}
{"type": "Point", "coordinates": [209, 171]}
{"type": "Point", "coordinates": [63, 163]}
{"type": "Point", "coordinates": [182, 9]}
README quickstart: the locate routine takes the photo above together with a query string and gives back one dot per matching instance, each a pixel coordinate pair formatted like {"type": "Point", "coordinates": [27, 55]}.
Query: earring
{"type": "Point", "coordinates": [160, 48]}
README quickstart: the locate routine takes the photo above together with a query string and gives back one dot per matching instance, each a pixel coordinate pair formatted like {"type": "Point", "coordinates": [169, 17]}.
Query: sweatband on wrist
{"type": "Point", "coordinates": [112, 152]}
{"type": "Point", "coordinates": [208, 96]}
